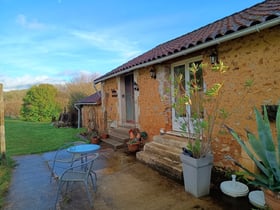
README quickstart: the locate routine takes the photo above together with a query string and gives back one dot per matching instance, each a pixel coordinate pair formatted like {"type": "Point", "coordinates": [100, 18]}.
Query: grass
{"type": "Point", "coordinates": [5, 177]}
{"type": "Point", "coordinates": [24, 138]}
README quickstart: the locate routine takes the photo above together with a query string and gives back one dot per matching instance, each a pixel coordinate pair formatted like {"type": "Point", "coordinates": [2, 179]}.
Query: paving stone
{"type": "Point", "coordinates": [123, 183]}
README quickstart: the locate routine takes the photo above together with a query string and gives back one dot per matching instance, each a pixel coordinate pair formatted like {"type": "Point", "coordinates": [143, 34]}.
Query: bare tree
{"type": "Point", "coordinates": [13, 102]}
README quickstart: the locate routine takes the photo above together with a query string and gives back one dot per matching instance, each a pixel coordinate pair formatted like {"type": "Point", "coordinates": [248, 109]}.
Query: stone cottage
{"type": "Point", "coordinates": [136, 93]}
{"type": "Point", "coordinates": [89, 112]}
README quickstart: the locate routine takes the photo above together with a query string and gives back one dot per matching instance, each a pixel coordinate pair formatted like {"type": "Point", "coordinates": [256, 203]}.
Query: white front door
{"type": "Point", "coordinates": [129, 99]}
{"type": "Point", "coordinates": [181, 68]}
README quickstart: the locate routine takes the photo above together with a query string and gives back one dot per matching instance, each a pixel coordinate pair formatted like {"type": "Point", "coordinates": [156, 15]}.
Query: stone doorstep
{"type": "Point", "coordinates": [172, 169]}
{"type": "Point", "coordinates": [172, 153]}
{"type": "Point", "coordinates": [118, 136]}
{"type": "Point", "coordinates": [119, 130]}
{"type": "Point", "coordinates": [170, 140]}
{"type": "Point", "coordinates": [163, 154]}
{"type": "Point", "coordinates": [113, 143]}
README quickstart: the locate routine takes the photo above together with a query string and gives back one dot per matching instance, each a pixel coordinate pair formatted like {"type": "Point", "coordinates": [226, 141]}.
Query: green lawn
{"type": "Point", "coordinates": [33, 137]}
{"type": "Point", "coordinates": [30, 138]}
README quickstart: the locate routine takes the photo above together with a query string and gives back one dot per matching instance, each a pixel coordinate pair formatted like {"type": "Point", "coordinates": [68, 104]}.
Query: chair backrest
{"type": "Point", "coordinates": [63, 159]}
{"type": "Point", "coordinates": [83, 169]}
{"type": "Point", "coordinates": [90, 162]}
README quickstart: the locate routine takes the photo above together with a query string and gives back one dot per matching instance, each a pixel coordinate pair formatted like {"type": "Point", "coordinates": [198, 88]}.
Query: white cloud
{"type": "Point", "coordinates": [30, 24]}
{"type": "Point", "coordinates": [59, 54]}
{"type": "Point", "coordinates": [109, 42]}
{"type": "Point", "coordinates": [26, 81]}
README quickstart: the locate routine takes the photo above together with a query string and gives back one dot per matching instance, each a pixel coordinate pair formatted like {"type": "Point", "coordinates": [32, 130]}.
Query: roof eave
{"type": "Point", "coordinates": [237, 34]}
{"type": "Point", "coordinates": [81, 103]}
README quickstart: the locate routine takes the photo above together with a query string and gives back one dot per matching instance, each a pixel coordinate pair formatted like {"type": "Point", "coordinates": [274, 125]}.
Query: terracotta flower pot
{"type": "Point", "coordinates": [133, 147]}
{"type": "Point", "coordinates": [272, 200]}
{"type": "Point", "coordinates": [104, 136]}
{"type": "Point", "coordinates": [95, 140]}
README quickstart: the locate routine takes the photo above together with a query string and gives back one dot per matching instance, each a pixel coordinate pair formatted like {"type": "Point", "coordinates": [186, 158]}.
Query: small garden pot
{"type": "Point", "coordinates": [104, 136]}
{"type": "Point", "coordinates": [95, 140]}
{"type": "Point", "coordinates": [133, 147]}
{"type": "Point", "coordinates": [271, 199]}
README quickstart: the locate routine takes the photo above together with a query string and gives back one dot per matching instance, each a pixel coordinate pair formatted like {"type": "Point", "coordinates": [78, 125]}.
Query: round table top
{"type": "Point", "coordinates": [83, 148]}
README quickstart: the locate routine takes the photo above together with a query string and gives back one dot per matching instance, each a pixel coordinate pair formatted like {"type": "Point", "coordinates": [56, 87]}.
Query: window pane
{"type": "Point", "coordinates": [179, 71]}
{"type": "Point", "coordinates": [196, 77]}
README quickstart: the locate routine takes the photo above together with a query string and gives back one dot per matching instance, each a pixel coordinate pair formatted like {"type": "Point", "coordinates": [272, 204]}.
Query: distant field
{"type": "Point", "coordinates": [33, 137]}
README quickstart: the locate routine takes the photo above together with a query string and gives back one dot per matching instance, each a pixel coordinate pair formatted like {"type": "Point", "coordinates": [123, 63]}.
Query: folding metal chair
{"type": "Point", "coordinates": [79, 173]}
{"type": "Point", "coordinates": [63, 159]}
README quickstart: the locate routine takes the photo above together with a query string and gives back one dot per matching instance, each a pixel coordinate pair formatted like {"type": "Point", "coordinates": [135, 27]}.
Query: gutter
{"type": "Point", "coordinates": [244, 32]}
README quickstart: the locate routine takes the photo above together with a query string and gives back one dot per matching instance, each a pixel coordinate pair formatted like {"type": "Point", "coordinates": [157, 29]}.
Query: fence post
{"type": "Point", "coordinates": [2, 127]}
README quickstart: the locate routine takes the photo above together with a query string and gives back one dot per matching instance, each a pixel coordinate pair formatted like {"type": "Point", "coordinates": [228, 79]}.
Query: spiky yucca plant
{"type": "Point", "coordinates": [264, 151]}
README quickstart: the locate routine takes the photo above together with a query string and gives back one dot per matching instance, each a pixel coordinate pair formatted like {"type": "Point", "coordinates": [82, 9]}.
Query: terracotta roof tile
{"type": "Point", "coordinates": [260, 13]}
{"type": "Point", "coordinates": [92, 99]}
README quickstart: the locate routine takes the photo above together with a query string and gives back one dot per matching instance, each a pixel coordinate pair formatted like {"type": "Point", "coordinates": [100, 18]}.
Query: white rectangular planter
{"type": "Point", "coordinates": [197, 174]}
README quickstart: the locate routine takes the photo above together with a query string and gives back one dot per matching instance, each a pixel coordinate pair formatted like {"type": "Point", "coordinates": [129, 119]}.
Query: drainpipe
{"type": "Point", "coordinates": [79, 114]}
{"type": "Point", "coordinates": [96, 90]}
{"type": "Point", "coordinates": [244, 32]}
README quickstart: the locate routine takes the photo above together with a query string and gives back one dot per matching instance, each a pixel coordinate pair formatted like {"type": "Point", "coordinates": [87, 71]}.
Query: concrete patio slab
{"type": "Point", "coordinates": [123, 184]}
{"type": "Point", "coordinates": [30, 187]}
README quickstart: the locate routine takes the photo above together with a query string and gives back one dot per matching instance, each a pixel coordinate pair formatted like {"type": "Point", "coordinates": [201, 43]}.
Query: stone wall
{"type": "Point", "coordinates": [110, 105]}
{"type": "Point", "coordinates": [154, 100]}
{"type": "Point", "coordinates": [255, 57]}
{"type": "Point", "coordinates": [92, 117]}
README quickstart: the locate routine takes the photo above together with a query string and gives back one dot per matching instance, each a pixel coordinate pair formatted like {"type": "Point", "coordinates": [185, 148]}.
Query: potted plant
{"type": "Point", "coordinates": [264, 150]}
{"type": "Point", "coordinates": [134, 141]}
{"type": "Point", "coordinates": [94, 137]}
{"type": "Point", "coordinates": [104, 135]}
{"type": "Point", "coordinates": [197, 126]}
{"type": "Point", "coordinates": [144, 137]}
{"type": "Point", "coordinates": [133, 145]}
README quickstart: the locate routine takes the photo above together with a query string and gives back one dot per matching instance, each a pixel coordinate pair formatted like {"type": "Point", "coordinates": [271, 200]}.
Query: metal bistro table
{"type": "Point", "coordinates": [83, 150]}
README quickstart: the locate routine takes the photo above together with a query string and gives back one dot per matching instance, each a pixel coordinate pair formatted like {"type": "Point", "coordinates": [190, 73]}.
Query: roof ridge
{"type": "Point", "coordinates": [246, 18]}
{"type": "Point", "coordinates": [215, 22]}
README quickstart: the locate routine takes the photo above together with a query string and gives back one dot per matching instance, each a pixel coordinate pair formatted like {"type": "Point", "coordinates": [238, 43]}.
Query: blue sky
{"type": "Point", "coordinates": [54, 41]}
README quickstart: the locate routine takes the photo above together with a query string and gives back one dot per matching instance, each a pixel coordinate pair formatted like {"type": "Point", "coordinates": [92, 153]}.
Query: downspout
{"type": "Point", "coordinates": [96, 90]}
{"type": "Point", "coordinates": [244, 32]}
{"type": "Point", "coordinates": [79, 114]}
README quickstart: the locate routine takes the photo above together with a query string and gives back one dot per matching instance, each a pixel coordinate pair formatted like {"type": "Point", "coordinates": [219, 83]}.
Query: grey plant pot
{"type": "Point", "coordinates": [197, 174]}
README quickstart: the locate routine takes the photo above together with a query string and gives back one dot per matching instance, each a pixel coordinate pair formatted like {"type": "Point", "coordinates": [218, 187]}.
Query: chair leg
{"type": "Point", "coordinates": [60, 185]}
{"type": "Point", "coordinates": [66, 188]}
{"type": "Point", "coordinates": [93, 180]}
{"type": "Point", "coordinates": [88, 194]}
{"type": "Point", "coordinates": [51, 177]}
